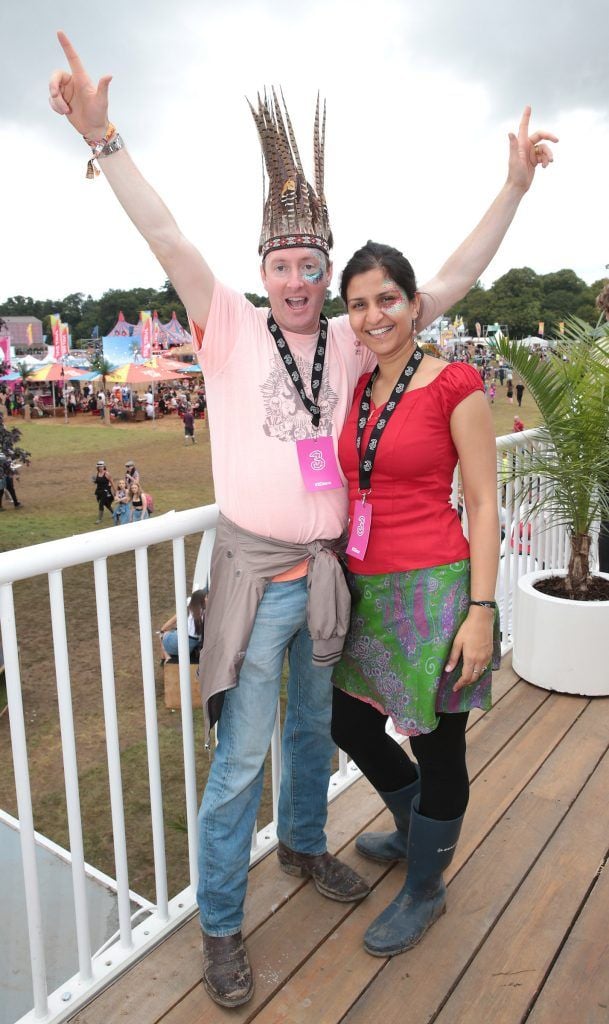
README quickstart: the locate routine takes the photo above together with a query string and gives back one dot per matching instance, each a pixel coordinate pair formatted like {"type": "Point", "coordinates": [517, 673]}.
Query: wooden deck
{"type": "Point", "coordinates": [525, 936]}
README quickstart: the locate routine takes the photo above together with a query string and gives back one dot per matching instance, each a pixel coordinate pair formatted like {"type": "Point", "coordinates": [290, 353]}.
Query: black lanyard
{"type": "Point", "coordinates": [290, 364]}
{"type": "Point", "coordinates": [366, 464]}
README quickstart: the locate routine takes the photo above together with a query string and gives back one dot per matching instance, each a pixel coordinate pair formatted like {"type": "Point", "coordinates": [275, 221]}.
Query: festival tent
{"type": "Point", "coordinates": [52, 372]}
{"type": "Point", "coordinates": [175, 364]}
{"type": "Point", "coordinates": [121, 327]}
{"type": "Point", "coordinates": [534, 340]}
{"type": "Point", "coordinates": [174, 332]}
{"type": "Point", "coordinates": [139, 373]}
{"type": "Point", "coordinates": [164, 335]}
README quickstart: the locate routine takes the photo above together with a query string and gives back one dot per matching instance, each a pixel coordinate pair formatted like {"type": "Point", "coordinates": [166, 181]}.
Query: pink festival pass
{"type": "Point", "coordinates": [318, 464]}
{"type": "Point", "coordinates": [360, 530]}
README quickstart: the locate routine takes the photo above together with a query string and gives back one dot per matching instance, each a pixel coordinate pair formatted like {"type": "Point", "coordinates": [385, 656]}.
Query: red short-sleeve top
{"type": "Point", "coordinates": [414, 525]}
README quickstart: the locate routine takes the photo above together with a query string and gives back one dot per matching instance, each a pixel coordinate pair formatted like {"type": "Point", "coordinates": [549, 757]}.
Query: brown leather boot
{"type": "Point", "coordinates": [227, 975]}
{"type": "Point", "coordinates": [332, 878]}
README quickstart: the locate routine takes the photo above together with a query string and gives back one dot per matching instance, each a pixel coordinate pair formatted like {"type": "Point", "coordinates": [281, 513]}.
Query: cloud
{"type": "Point", "coordinates": [552, 53]}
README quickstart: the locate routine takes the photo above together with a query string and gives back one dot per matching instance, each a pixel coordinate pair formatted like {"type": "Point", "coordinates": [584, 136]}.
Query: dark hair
{"type": "Point", "coordinates": [196, 607]}
{"type": "Point", "coordinates": [373, 255]}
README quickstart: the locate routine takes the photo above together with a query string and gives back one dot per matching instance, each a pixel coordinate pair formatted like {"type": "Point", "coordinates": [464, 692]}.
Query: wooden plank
{"type": "Point", "coordinates": [577, 990]}
{"type": "Point", "coordinates": [492, 733]}
{"type": "Point", "coordinates": [147, 1000]}
{"type": "Point", "coordinates": [148, 991]}
{"type": "Point", "coordinates": [422, 978]}
{"type": "Point", "coordinates": [506, 775]}
{"type": "Point", "coordinates": [503, 980]}
{"type": "Point", "coordinates": [322, 988]}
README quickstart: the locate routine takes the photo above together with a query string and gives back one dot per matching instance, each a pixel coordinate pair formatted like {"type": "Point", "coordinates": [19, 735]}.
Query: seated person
{"type": "Point", "coordinates": [196, 625]}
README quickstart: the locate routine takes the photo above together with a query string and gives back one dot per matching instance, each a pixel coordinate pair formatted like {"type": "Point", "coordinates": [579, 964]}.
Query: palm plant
{"type": "Point", "coordinates": [103, 367]}
{"type": "Point", "coordinates": [24, 372]}
{"type": "Point", "coordinates": [571, 389]}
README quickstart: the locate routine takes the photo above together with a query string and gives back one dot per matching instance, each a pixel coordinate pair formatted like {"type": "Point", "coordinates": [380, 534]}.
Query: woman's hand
{"type": "Point", "coordinates": [474, 641]}
{"type": "Point", "coordinates": [526, 152]}
{"type": "Point", "coordinates": [74, 95]}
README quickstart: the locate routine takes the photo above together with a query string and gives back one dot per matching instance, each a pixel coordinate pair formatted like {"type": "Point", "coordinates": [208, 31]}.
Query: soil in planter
{"type": "Point", "coordinates": [554, 586]}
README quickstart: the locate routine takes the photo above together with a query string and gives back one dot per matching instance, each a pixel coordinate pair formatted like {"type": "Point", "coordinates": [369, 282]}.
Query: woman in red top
{"type": "Point", "coordinates": [421, 640]}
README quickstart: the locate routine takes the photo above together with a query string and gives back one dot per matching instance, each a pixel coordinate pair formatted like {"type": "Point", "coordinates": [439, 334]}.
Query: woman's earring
{"type": "Point", "coordinates": [414, 327]}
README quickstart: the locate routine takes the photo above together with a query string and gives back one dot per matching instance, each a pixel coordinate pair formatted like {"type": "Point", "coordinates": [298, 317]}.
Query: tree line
{"type": "Point", "coordinates": [520, 299]}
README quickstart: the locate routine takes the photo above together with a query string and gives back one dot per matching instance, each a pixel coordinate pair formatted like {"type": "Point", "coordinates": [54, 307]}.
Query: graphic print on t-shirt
{"type": "Point", "coordinates": [285, 416]}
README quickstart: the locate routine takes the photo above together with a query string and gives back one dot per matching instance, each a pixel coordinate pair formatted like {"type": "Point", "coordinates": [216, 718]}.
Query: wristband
{"type": "Point", "coordinates": [484, 604]}
{"type": "Point", "coordinates": [110, 143]}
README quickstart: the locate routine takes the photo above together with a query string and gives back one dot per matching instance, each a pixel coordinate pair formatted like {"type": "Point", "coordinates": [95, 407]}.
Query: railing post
{"type": "Point", "coordinates": [24, 800]}
{"type": "Point", "coordinates": [104, 631]}
{"type": "Point", "coordinates": [70, 770]}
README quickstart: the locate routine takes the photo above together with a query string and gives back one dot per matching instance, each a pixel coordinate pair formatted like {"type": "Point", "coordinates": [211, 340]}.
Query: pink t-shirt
{"type": "Point", "coordinates": [256, 416]}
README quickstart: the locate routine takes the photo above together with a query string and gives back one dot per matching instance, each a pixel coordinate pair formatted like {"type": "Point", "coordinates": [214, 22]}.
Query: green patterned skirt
{"type": "Point", "coordinates": [402, 629]}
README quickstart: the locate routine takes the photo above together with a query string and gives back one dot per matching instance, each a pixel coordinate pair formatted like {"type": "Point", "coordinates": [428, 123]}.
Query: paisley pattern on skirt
{"type": "Point", "coordinates": [402, 629]}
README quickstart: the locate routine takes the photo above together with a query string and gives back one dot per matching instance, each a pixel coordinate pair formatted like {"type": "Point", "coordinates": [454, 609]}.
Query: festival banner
{"type": "Point", "coordinates": [5, 353]}
{"type": "Point", "coordinates": [56, 333]}
{"type": "Point", "coordinates": [541, 327]}
{"type": "Point", "coordinates": [478, 329]}
{"type": "Point", "coordinates": [30, 336]}
{"type": "Point", "coordinates": [561, 327]}
{"type": "Point", "coordinates": [146, 321]}
{"type": "Point", "coordinates": [65, 339]}
{"type": "Point", "coordinates": [156, 332]}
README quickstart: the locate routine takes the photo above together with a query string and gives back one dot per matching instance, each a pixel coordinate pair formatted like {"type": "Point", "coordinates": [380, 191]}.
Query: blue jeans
{"type": "Point", "coordinates": [232, 795]}
{"type": "Point", "coordinates": [169, 640]}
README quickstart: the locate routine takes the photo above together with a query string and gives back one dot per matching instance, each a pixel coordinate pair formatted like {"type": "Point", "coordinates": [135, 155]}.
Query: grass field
{"type": "Point", "coordinates": [57, 495]}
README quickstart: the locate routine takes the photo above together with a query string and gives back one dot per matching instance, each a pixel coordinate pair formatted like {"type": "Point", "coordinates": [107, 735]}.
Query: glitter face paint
{"type": "Point", "coordinates": [313, 270]}
{"type": "Point", "coordinates": [401, 304]}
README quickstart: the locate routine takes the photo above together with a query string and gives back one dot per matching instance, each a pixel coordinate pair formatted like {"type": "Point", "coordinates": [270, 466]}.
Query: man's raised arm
{"type": "Point", "coordinates": [467, 263]}
{"type": "Point", "coordinates": [74, 95]}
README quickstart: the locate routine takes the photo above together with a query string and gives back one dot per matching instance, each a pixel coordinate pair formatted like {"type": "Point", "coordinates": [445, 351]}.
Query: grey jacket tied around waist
{"type": "Point", "coordinates": [242, 565]}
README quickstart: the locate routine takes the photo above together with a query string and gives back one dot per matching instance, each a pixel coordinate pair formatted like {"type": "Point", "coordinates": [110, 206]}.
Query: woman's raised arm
{"type": "Point", "coordinates": [467, 263]}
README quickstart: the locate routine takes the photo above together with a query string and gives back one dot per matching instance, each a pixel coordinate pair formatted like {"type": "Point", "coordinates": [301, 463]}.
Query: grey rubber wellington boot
{"type": "Point", "coordinates": [389, 846]}
{"type": "Point", "coordinates": [422, 899]}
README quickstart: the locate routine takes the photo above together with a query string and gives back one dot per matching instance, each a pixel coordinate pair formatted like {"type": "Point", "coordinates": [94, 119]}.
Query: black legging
{"type": "Point", "coordinates": [359, 730]}
{"type": "Point", "coordinates": [104, 500]}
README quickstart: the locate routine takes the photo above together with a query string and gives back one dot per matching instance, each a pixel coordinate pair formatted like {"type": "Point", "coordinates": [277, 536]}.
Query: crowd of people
{"type": "Point", "coordinates": [290, 394]}
{"type": "Point", "coordinates": [118, 401]}
{"type": "Point", "coordinates": [132, 502]}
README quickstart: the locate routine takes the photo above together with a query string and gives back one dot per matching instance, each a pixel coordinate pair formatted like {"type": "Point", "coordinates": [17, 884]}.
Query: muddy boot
{"type": "Point", "coordinates": [227, 975]}
{"type": "Point", "coordinates": [422, 899]}
{"type": "Point", "coordinates": [331, 877]}
{"type": "Point", "coordinates": [388, 846]}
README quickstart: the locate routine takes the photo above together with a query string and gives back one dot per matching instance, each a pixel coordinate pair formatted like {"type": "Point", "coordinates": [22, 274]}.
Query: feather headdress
{"type": "Point", "coordinates": [295, 213]}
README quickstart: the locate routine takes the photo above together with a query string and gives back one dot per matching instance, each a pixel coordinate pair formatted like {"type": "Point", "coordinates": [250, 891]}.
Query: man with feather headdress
{"type": "Point", "coordinates": [279, 385]}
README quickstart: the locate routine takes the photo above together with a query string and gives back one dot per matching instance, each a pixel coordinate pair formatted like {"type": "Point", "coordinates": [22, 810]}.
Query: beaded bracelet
{"type": "Point", "coordinates": [485, 604]}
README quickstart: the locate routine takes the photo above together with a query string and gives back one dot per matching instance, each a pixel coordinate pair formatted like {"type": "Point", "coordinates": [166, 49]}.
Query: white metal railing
{"type": "Point", "coordinates": [523, 548]}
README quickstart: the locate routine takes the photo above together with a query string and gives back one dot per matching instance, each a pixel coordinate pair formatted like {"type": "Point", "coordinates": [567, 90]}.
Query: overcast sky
{"type": "Point", "coordinates": [420, 98]}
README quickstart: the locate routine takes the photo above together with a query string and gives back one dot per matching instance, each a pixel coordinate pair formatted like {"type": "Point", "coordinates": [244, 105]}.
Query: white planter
{"type": "Point", "coordinates": [561, 645]}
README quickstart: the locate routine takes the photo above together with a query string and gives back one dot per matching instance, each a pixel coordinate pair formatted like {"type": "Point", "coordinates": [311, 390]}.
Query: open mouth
{"type": "Point", "coordinates": [378, 332]}
{"type": "Point", "coordinates": [296, 303]}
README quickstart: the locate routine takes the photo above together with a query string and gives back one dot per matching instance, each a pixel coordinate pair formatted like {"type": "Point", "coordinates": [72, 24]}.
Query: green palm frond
{"type": "Point", "coordinates": [571, 390]}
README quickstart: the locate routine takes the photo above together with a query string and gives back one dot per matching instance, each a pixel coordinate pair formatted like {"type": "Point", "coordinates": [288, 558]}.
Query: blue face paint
{"type": "Point", "coordinates": [313, 277]}
{"type": "Point", "coordinates": [313, 270]}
